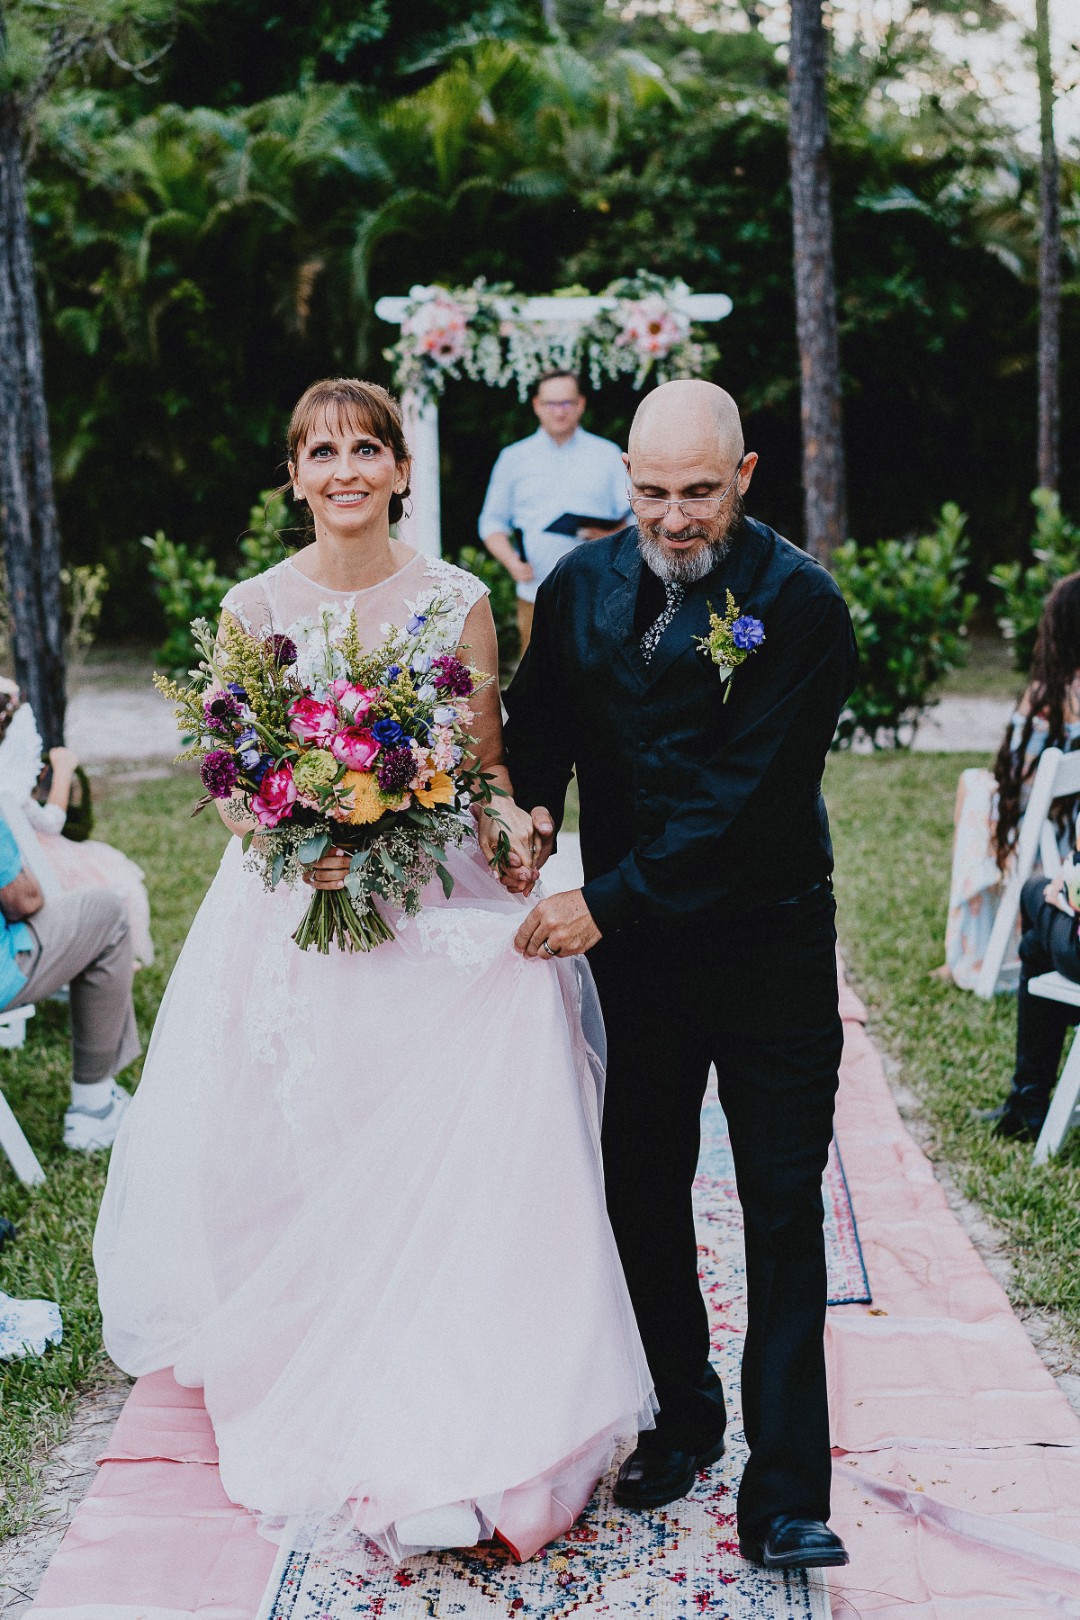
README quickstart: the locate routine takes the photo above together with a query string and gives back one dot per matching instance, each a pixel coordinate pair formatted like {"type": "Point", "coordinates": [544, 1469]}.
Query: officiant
{"type": "Point", "coordinates": [559, 475]}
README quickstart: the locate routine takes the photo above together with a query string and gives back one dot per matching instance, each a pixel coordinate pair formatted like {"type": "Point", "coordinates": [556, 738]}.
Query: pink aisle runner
{"type": "Point", "coordinates": [956, 1481]}
{"type": "Point", "coordinates": [957, 1459]}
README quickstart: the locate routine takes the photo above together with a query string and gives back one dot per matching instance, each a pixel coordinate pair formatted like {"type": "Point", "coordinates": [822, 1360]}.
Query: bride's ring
{"type": "Point", "coordinates": [544, 946]}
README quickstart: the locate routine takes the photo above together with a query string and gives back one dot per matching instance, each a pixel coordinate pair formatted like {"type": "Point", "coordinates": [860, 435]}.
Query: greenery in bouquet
{"type": "Point", "coordinates": [328, 744]}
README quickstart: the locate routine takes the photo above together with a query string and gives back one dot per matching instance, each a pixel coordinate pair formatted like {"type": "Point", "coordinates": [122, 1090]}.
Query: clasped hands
{"type": "Point", "coordinates": [562, 925]}
{"type": "Point", "coordinates": [559, 926]}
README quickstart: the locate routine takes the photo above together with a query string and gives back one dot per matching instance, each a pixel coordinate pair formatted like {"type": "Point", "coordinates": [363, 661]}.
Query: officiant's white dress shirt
{"type": "Point", "coordinates": [536, 480]}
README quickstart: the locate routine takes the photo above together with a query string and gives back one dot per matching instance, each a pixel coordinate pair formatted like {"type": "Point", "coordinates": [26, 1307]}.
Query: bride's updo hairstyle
{"type": "Point", "coordinates": [350, 405]}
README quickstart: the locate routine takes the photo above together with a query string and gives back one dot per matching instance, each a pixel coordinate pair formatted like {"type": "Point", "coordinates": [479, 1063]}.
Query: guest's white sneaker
{"type": "Point", "coordinates": [88, 1130]}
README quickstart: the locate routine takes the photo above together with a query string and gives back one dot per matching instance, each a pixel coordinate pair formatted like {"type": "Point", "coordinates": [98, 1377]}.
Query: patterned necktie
{"type": "Point", "coordinates": [673, 597]}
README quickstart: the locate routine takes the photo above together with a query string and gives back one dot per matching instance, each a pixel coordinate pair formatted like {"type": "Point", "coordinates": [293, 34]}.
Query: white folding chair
{"type": "Point", "coordinates": [1057, 777]}
{"type": "Point", "coordinates": [13, 1141]}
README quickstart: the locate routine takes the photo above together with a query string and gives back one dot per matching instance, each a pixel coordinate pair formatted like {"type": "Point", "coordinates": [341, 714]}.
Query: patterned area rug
{"type": "Point", "coordinates": [675, 1564]}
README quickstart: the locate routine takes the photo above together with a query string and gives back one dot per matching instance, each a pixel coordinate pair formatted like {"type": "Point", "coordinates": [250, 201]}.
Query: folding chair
{"type": "Point", "coordinates": [1057, 777]}
{"type": "Point", "coordinates": [13, 1141]}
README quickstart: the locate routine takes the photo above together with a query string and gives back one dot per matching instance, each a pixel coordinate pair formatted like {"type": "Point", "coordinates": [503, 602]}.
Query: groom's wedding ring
{"type": "Point", "coordinates": [544, 946]}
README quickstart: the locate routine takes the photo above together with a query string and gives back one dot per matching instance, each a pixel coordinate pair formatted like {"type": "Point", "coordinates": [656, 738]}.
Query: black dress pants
{"type": "Point", "coordinates": [756, 995]}
{"type": "Point", "coordinates": [1049, 942]}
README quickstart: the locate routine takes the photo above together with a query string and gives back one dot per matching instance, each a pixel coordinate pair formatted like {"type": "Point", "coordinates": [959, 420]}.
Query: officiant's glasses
{"type": "Point", "coordinates": [651, 507]}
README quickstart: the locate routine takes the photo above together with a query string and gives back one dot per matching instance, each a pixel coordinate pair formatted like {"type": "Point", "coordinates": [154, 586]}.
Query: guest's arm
{"type": "Point", "coordinates": [22, 897]}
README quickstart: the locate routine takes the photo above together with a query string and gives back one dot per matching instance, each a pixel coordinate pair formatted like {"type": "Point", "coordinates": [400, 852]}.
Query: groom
{"type": "Point", "coordinates": [707, 913]}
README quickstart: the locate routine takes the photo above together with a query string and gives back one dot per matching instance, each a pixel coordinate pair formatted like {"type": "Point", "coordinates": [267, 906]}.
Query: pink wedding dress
{"type": "Point", "coordinates": [359, 1200]}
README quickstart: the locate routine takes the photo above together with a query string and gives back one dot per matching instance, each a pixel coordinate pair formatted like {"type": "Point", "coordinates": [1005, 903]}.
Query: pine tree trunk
{"type": "Point", "coordinates": [1049, 262]}
{"type": "Point", "coordinates": [27, 506]}
{"type": "Point", "coordinates": [824, 501]}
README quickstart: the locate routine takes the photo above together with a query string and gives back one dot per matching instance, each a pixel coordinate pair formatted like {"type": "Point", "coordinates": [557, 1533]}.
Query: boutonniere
{"type": "Point", "coordinates": [731, 640]}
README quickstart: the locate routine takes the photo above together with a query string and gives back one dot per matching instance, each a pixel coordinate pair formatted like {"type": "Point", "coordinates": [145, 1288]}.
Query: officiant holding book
{"type": "Point", "coordinates": [557, 488]}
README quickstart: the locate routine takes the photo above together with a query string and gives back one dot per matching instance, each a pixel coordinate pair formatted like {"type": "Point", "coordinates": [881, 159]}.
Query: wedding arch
{"type": "Point", "coordinates": [640, 326]}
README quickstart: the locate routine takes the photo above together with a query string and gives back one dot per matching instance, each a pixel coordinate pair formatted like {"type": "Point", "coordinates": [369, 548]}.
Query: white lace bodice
{"type": "Point", "coordinates": [283, 601]}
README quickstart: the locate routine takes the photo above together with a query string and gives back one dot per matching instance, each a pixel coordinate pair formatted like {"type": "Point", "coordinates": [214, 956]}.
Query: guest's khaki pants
{"type": "Point", "coordinates": [525, 622]}
{"type": "Point", "coordinates": [84, 940]}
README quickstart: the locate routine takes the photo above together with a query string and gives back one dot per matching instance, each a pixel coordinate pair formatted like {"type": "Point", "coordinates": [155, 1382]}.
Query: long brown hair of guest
{"type": "Point", "coordinates": [1054, 670]}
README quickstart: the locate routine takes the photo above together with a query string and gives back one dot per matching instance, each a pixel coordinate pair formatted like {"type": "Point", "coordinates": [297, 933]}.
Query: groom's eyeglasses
{"type": "Point", "coordinates": [651, 507]}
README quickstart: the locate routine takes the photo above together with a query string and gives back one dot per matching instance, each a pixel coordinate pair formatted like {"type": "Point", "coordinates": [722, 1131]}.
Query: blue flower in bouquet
{"type": "Point", "coordinates": [391, 733]}
{"type": "Point", "coordinates": [222, 711]}
{"type": "Point", "coordinates": [247, 744]}
{"type": "Point", "coordinates": [257, 771]}
{"type": "Point", "coordinates": [392, 674]}
{"type": "Point", "coordinates": [415, 623]}
{"type": "Point", "coordinates": [237, 691]}
{"type": "Point", "coordinates": [219, 773]}
{"type": "Point", "coordinates": [421, 664]}
{"type": "Point", "coordinates": [747, 633]}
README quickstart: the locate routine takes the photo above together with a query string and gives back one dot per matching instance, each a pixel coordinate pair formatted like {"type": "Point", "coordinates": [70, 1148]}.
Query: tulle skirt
{"type": "Point", "coordinates": [359, 1200]}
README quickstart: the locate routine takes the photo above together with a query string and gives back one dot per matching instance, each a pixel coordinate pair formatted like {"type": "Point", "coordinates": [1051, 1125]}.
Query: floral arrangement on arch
{"type": "Point", "coordinates": [481, 332]}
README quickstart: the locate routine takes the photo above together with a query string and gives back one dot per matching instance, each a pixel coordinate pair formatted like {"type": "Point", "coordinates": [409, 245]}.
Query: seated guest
{"type": "Point", "coordinates": [989, 805]}
{"type": "Point", "coordinates": [89, 864]}
{"type": "Point", "coordinates": [1049, 942]}
{"type": "Point", "coordinates": [82, 940]}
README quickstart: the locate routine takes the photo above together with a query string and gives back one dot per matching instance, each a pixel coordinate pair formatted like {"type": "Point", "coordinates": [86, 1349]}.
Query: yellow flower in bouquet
{"type": "Point", "coordinates": [440, 790]}
{"type": "Point", "coordinates": [368, 803]}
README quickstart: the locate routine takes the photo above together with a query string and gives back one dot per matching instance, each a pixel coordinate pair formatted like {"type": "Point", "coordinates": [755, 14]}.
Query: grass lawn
{"type": "Point", "coordinates": [51, 1258]}
{"type": "Point", "coordinates": [892, 818]}
{"type": "Point", "coordinates": [892, 827]}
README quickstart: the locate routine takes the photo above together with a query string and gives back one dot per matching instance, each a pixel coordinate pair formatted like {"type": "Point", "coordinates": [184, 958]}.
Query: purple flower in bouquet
{"type": "Point", "coordinates": [283, 649]}
{"type": "Point", "coordinates": [396, 770]}
{"type": "Point", "coordinates": [222, 711]}
{"type": "Point", "coordinates": [451, 677]}
{"type": "Point", "coordinates": [415, 623]}
{"type": "Point", "coordinates": [391, 733]}
{"type": "Point", "coordinates": [392, 673]}
{"type": "Point", "coordinates": [238, 692]}
{"type": "Point", "coordinates": [747, 633]}
{"type": "Point", "coordinates": [219, 773]}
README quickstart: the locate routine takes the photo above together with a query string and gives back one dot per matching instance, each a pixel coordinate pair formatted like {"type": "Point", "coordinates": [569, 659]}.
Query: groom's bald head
{"type": "Point", "coordinates": [690, 410]}
{"type": "Point", "coordinates": [686, 445]}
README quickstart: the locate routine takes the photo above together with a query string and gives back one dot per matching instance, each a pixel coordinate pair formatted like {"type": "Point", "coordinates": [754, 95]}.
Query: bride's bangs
{"type": "Point", "coordinates": [348, 406]}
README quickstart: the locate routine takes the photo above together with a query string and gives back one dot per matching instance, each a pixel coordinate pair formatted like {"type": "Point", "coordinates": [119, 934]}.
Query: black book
{"type": "Point", "coordinates": [571, 522]}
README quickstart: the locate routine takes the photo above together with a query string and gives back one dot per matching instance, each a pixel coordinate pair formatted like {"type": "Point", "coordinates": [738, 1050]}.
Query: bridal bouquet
{"type": "Point", "coordinates": [361, 749]}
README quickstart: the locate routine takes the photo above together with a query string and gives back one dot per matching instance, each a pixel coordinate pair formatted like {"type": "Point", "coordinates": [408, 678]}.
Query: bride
{"type": "Point", "coordinates": [358, 1199]}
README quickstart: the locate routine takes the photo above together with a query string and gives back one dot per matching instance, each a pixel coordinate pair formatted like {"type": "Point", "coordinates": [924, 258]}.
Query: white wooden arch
{"type": "Point", "coordinates": [423, 527]}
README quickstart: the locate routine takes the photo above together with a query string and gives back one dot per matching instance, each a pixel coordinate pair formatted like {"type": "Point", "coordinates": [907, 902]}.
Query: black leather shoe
{"type": "Point", "coordinates": [652, 1476]}
{"type": "Point", "coordinates": [794, 1544]}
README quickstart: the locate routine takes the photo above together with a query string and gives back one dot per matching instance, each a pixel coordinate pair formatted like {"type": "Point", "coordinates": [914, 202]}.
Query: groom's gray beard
{"type": "Point", "coordinates": [675, 569]}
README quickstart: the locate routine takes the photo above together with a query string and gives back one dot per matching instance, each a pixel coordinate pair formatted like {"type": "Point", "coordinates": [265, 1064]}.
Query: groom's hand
{"type": "Point", "coordinates": [561, 926]}
{"type": "Point", "coordinates": [521, 877]}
